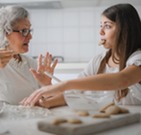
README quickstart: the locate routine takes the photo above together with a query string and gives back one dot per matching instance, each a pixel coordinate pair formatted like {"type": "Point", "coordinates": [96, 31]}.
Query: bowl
{"type": "Point", "coordinates": [87, 100]}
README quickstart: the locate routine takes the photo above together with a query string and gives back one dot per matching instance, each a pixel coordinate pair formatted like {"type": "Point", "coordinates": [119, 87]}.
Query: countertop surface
{"type": "Point", "coordinates": [66, 71]}
{"type": "Point", "coordinates": [70, 67]}
{"type": "Point", "coordinates": [29, 126]}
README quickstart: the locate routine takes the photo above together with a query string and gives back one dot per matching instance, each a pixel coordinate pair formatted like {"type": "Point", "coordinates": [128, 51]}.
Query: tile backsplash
{"type": "Point", "coordinates": [72, 33]}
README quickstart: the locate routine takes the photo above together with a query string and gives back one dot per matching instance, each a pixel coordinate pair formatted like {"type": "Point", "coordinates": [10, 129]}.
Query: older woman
{"type": "Point", "coordinates": [16, 80]}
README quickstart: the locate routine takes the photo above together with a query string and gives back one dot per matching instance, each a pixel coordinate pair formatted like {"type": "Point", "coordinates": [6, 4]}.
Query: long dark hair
{"type": "Point", "coordinates": [128, 36]}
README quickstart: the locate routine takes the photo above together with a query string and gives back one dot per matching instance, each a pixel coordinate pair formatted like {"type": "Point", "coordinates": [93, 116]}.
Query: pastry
{"type": "Point", "coordinates": [74, 121]}
{"type": "Point", "coordinates": [82, 113]}
{"type": "Point", "coordinates": [58, 121]}
{"type": "Point", "coordinates": [102, 42]}
{"type": "Point", "coordinates": [102, 109]}
{"type": "Point", "coordinates": [101, 115]}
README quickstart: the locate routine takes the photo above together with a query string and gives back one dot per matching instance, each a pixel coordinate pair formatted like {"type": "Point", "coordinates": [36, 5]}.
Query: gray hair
{"type": "Point", "coordinates": [9, 15]}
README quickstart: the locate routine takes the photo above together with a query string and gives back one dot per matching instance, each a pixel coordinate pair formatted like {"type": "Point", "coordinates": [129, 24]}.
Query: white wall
{"type": "Point", "coordinates": [72, 33]}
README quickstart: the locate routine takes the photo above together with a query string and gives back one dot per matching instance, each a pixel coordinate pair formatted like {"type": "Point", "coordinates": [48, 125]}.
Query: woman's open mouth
{"type": "Point", "coordinates": [102, 42]}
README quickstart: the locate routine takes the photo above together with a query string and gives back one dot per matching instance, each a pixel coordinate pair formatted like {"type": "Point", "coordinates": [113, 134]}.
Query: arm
{"type": "Point", "coordinates": [120, 80]}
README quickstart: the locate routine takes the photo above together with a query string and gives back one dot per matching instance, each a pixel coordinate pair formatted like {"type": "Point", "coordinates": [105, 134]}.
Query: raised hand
{"type": "Point", "coordinates": [44, 65]}
{"type": "Point", "coordinates": [5, 56]}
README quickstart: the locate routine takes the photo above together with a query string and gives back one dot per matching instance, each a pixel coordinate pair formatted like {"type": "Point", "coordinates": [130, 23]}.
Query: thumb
{"type": "Point", "coordinates": [34, 72]}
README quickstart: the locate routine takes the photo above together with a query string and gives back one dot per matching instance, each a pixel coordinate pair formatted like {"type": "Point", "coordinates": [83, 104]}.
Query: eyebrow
{"type": "Point", "coordinates": [107, 22]}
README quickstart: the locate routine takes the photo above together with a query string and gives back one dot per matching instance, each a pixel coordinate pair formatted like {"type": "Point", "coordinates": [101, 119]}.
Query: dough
{"type": "Point", "coordinates": [58, 121]}
{"type": "Point", "coordinates": [101, 115]}
{"type": "Point", "coordinates": [82, 113]}
{"type": "Point", "coordinates": [74, 121]}
{"type": "Point", "coordinates": [102, 109]}
{"type": "Point", "coordinates": [113, 110]}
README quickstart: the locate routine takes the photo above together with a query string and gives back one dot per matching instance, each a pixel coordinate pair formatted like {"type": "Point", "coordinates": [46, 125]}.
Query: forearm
{"type": "Point", "coordinates": [99, 82]}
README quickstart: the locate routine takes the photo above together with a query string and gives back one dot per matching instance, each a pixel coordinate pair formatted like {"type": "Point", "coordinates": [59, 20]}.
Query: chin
{"type": "Point", "coordinates": [23, 51]}
{"type": "Point", "coordinates": [107, 46]}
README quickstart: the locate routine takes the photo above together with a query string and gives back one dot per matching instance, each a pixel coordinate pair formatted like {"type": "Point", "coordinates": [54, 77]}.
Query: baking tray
{"type": "Point", "coordinates": [89, 125]}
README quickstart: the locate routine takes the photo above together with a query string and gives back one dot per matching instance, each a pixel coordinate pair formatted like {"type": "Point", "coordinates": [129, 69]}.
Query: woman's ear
{"type": "Point", "coordinates": [7, 33]}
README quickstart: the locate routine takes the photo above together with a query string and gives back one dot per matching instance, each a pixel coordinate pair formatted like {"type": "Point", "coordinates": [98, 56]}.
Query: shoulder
{"type": "Point", "coordinates": [135, 58]}
{"type": "Point", "coordinates": [136, 54]}
{"type": "Point", "coordinates": [93, 65]}
{"type": "Point", "coordinates": [99, 57]}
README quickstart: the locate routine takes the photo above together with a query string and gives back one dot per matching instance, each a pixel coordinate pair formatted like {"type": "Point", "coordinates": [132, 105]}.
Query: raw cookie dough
{"type": "Point", "coordinates": [102, 109]}
{"type": "Point", "coordinates": [101, 115]}
{"type": "Point", "coordinates": [58, 121]}
{"type": "Point", "coordinates": [74, 121]}
{"type": "Point", "coordinates": [82, 113]}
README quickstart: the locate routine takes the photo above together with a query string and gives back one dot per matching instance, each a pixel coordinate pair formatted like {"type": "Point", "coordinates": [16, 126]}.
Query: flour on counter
{"type": "Point", "coordinates": [18, 112]}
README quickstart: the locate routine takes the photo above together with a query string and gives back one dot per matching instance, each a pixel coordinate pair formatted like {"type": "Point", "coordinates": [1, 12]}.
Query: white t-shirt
{"type": "Point", "coordinates": [134, 95]}
{"type": "Point", "coordinates": [16, 81]}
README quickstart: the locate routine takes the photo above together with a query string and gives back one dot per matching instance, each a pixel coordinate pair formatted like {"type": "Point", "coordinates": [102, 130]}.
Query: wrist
{"type": "Point", "coordinates": [66, 85]}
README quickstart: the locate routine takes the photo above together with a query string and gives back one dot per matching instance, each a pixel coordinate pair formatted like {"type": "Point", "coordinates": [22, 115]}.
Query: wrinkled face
{"type": "Point", "coordinates": [107, 32]}
{"type": "Point", "coordinates": [20, 37]}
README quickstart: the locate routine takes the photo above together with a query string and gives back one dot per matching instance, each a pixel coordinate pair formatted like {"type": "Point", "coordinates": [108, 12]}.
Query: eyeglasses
{"type": "Point", "coordinates": [24, 32]}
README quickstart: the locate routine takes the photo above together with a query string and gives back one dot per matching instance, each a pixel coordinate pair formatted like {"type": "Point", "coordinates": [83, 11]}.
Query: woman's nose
{"type": "Point", "coordinates": [29, 36]}
{"type": "Point", "coordinates": [101, 31]}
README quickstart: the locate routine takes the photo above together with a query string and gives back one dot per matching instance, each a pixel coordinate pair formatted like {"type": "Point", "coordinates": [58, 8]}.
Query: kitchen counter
{"type": "Point", "coordinates": [66, 71]}
{"type": "Point", "coordinates": [29, 126]}
{"type": "Point", "coordinates": [70, 67]}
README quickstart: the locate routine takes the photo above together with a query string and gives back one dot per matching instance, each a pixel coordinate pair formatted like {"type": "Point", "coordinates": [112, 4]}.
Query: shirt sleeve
{"type": "Point", "coordinates": [134, 59]}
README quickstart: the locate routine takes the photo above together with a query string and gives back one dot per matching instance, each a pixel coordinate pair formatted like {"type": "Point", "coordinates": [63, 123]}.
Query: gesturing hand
{"type": "Point", "coordinates": [44, 65]}
{"type": "Point", "coordinates": [5, 56]}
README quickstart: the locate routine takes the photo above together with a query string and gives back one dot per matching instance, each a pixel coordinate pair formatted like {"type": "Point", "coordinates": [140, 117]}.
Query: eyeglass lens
{"type": "Point", "coordinates": [25, 32]}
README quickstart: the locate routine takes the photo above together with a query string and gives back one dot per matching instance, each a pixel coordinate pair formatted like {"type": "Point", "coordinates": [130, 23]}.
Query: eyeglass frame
{"type": "Point", "coordinates": [22, 31]}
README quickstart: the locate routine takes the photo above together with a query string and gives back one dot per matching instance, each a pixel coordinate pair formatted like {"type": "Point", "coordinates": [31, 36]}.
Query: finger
{"type": "Point", "coordinates": [39, 62]}
{"type": "Point", "coordinates": [54, 64]}
{"type": "Point", "coordinates": [6, 59]}
{"type": "Point", "coordinates": [2, 49]}
{"type": "Point", "coordinates": [4, 54]}
{"type": "Point", "coordinates": [5, 50]}
{"type": "Point", "coordinates": [38, 94]}
{"type": "Point", "coordinates": [34, 73]}
{"type": "Point", "coordinates": [3, 62]}
{"type": "Point", "coordinates": [49, 60]}
{"type": "Point", "coordinates": [46, 58]}
{"type": "Point", "coordinates": [23, 101]}
{"type": "Point", "coordinates": [33, 98]}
